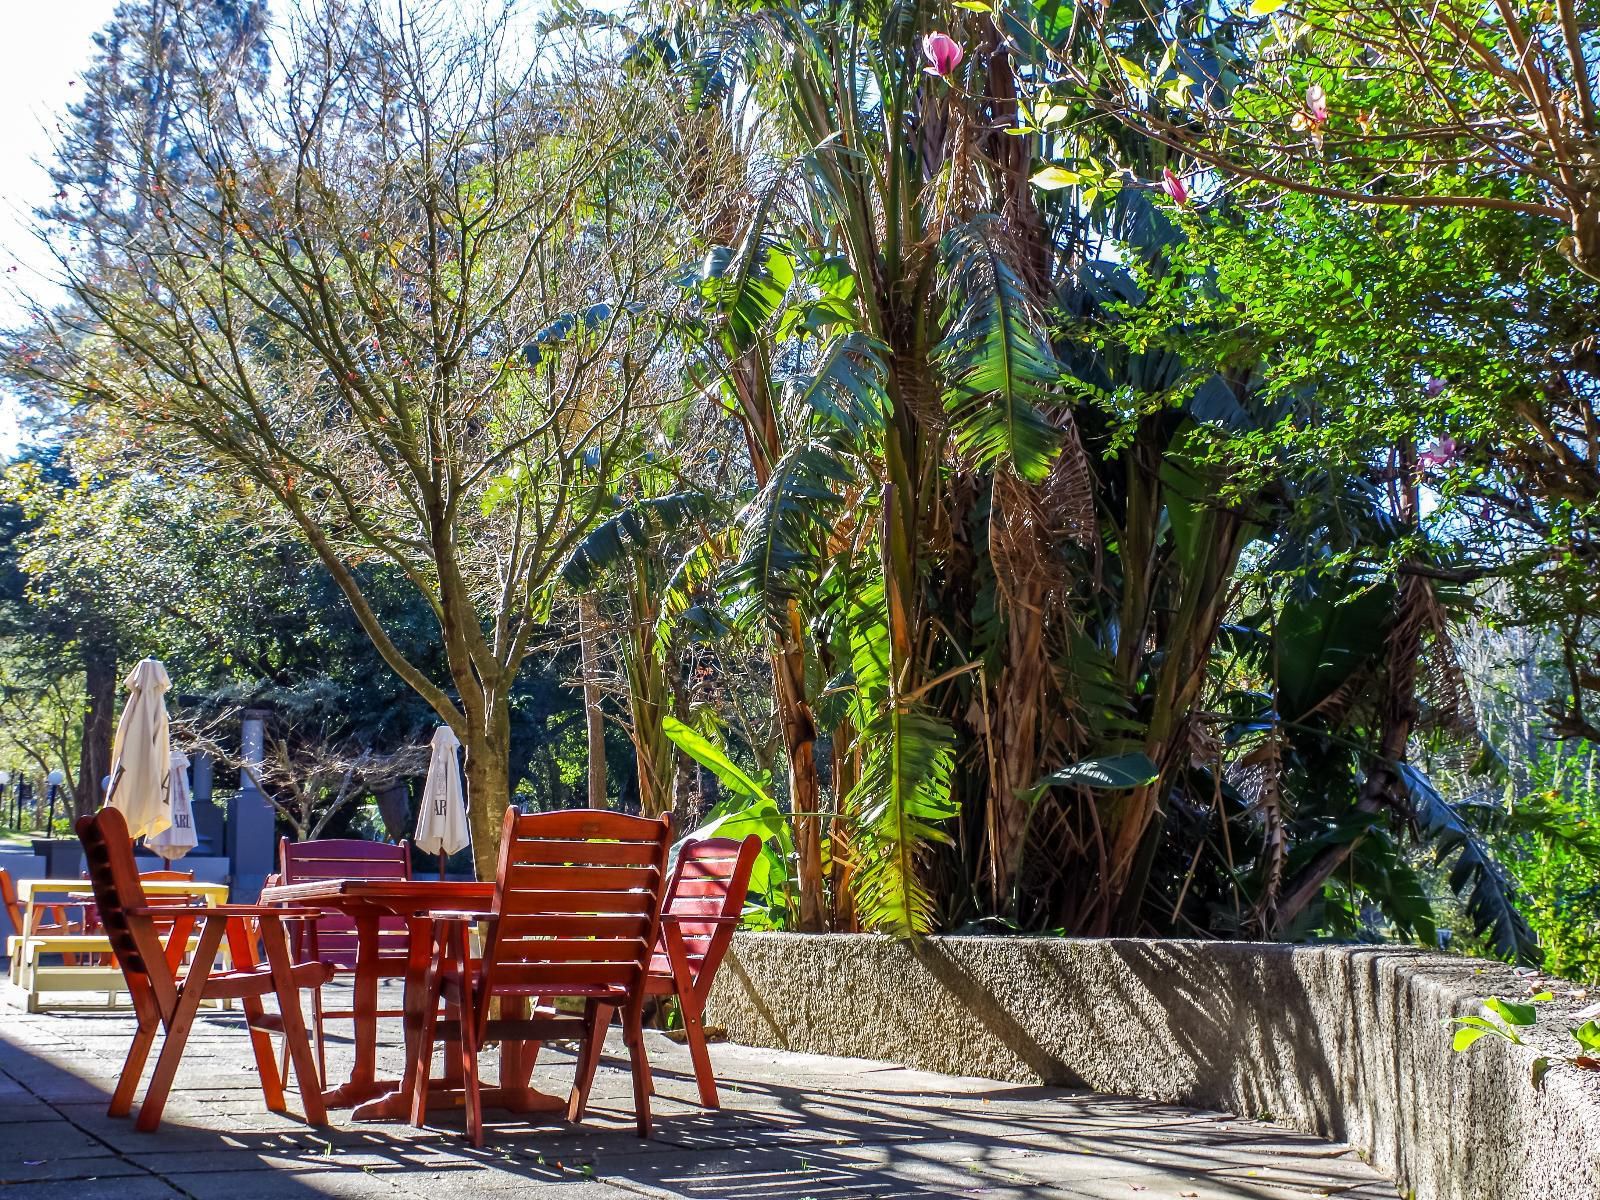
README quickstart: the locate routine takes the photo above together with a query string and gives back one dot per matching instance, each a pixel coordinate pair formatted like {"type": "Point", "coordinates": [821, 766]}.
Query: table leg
{"type": "Point", "coordinates": [364, 1082]}
{"type": "Point", "coordinates": [516, 1058]}
{"type": "Point", "coordinates": [365, 1000]}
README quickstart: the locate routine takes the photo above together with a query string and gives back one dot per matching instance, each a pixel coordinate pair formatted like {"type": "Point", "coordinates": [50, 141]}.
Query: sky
{"type": "Point", "coordinates": [45, 47]}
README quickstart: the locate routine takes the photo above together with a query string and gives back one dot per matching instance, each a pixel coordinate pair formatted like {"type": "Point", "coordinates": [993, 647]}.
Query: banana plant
{"type": "Point", "coordinates": [627, 552]}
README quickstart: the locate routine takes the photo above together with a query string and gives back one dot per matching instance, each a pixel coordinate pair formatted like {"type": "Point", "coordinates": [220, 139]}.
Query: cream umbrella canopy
{"type": "Point", "coordinates": [141, 755]}
{"type": "Point", "coordinates": [178, 838]}
{"type": "Point", "coordinates": [442, 823]}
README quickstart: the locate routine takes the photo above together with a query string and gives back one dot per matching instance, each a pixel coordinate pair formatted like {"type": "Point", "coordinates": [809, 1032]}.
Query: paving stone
{"type": "Point", "coordinates": [269, 1184]}
{"type": "Point", "coordinates": [792, 1127]}
{"type": "Point", "coordinates": [146, 1188]}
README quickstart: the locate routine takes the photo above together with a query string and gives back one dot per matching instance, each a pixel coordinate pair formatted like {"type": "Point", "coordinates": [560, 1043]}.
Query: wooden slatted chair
{"type": "Point", "coordinates": [577, 910]}
{"type": "Point", "coordinates": [698, 919]}
{"type": "Point", "coordinates": [161, 998]}
{"type": "Point", "coordinates": [333, 937]}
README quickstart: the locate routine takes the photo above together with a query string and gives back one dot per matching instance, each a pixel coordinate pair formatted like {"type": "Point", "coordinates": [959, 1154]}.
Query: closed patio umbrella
{"type": "Point", "coordinates": [141, 755]}
{"type": "Point", "coordinates": [179, 838]}
{"type": "Point", "coordinates": [442, 823]}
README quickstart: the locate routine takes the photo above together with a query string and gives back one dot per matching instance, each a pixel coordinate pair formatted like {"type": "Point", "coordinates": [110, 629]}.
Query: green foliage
{"type": "Point", "coordinates": [1106, 774]}
{"type": "Point", "coordinates": [1549, 840]}
{"type": "Point", "coordinates": [996, 356]}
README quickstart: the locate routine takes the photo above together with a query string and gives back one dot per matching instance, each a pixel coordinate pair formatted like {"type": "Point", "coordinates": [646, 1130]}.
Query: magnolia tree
{"type": "Point", "coordinates": [1407, 193]}
{"type": "Point", "coordinates": [404, 301]}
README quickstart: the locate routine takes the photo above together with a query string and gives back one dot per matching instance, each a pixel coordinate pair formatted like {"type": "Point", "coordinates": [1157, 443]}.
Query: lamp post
{"type": "Point", "coordinates": [16, 809]}
{"type": "Point", "coordinates": [54, 779]}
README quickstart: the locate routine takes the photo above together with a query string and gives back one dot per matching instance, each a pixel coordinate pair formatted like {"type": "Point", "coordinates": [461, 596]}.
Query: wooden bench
{"type": "Point", "coordinates": [42, 983]}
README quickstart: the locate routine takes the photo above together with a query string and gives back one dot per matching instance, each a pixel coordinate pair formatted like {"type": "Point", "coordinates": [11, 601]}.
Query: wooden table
{"type": "Point", "coordinates": [29, 946]}
{"type": "Point", "coordinates": [366, 902]}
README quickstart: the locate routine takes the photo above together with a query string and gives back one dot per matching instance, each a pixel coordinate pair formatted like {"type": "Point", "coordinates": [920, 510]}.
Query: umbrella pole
{"type": "Point", "coordinates": [441, 865]}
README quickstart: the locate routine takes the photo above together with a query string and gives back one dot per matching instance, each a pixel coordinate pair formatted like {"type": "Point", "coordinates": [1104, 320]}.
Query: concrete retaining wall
{"type": "Point", "coordinates": [1347, 1042]}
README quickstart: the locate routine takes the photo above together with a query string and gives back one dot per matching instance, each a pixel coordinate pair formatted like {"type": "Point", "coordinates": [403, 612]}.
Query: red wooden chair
{"type": "Point", "coordinates": [333, 937]}
{"type": "Point", "coordinates": [698, 920]}
{"type": "Point", "coordinates": [162, 998]}
{"type": "Point", "coordinates": [577, 910]}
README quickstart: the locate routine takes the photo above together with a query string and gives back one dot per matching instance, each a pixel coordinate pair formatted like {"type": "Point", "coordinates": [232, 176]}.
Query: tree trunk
{"type": "Point", "coordinates": [94, 758]}
{"type": "Point", "coordinates": [488, 775]}
{"type": "Point", "coordinates": [805, 788]}
{"type": "Point", "coordinates": [589, 641]}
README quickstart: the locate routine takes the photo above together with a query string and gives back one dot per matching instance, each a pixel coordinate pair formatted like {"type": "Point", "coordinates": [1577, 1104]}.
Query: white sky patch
{"type": "Point", "coordinates": [45, 48]}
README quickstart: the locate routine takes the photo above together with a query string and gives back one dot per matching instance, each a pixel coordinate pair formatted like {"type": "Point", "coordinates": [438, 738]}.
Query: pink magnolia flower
{"type": "Point", "coordinates": [1441, 454]}
{"type": "Point", "coordinates": [1317, 104]}
{"type": "Point", "coordinates": [1433, 387]}
{"type": "Point", "coordinates": [944, 52]}
{"type": "Point", "coordinates": [1173, 186]}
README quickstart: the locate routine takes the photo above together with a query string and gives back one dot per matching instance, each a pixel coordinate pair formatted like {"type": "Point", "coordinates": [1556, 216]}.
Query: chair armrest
{"type": "Point", "coordinates": [691, 919]}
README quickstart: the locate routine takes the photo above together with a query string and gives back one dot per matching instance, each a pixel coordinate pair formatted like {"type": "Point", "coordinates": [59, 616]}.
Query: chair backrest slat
{"type": "Point", "coordinates": [711, 879]}
{"type": "Point", "coordinates": [347, 858]}
{"type": "Point", "coordinates": [578, 897]}
{"type": "Point", "coordinates": [114, 879]}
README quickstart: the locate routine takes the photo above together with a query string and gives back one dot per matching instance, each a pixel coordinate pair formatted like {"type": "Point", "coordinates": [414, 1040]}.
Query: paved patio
{"type": "Point", "coordinates": [793, 1127]}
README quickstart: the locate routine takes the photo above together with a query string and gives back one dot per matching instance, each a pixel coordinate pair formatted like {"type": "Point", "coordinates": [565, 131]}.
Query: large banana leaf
{"type": "Point", "coordinates": [995, 356]}
{"type": "Point", "coordinates": [617, 539]}
{"type": "Point", "coordinates": [781, 531]}
{"type": "Point", "coordinates": [1474, 875]}
{"type": "Point", "coordinates": [846, 390]}
{"type": "Point", "coordinates": [1324, 639]}
{"type": "Point", "coordinates": [902, 801]}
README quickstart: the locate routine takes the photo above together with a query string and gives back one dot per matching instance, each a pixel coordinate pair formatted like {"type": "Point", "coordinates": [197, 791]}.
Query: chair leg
{"type": "Point", "coordinates": [322, 1044]}
{"type": "Point", "coordinates": [128, 1082]}
{"type": "Point", "coordinates": [272, 1079]}
{"type": "Point", "coordinates": [469, 1070]}
{"type": "Point", "coordinates": [423, 1062]}
{"type": "Point", "coordinates": [633, 1030]}
{"type": "Point", "coordinates": [598, 1019]}
{"type": "Point", "coordinates": [155, 1098]}
{"type": "Point", "coordinates": [182, 1020]}
{"type": "Point", "coordinates": [694, 1032]}
{"type": "Point", "coordinates": [294, 1027]}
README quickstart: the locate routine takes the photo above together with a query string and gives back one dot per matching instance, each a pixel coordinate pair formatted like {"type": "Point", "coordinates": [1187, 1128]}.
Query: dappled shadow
{"type": "Point", "coordinates": [787, 1131]}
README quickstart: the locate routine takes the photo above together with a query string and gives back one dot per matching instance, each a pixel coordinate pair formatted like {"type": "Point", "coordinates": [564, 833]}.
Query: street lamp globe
{"type": "Point", "coordinates": [56, 778]}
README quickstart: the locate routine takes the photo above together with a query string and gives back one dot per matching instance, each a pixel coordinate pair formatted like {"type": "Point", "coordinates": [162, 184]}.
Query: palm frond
{"type": "Point", "coordinates": [631, 531]}
{"type": "Point", "coordinates": [688, 600]}
{"type": "Point", "coordinates": [782, 531]}
{"type": "Point", "coordinates": [1475, 876]}
{"type": "Point", "coordinates": [995, 356]}
{"type": "Point", "coordinates": [900, 805]}
{"type": "Point", "coordinates": [902, 799]}
{"type": "Point", "coordinates": [746, 284]}
{"type": "Point", "coordinates": [847, 388]}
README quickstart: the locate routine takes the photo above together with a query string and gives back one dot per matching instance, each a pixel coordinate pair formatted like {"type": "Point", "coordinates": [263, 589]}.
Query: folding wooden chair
{"type": "Point", "coordinates": [335, 938]}
{"type": "Point", "coordinates": [577, 910]}
{"type": "Point", "coordinates": [162, 998]}
{"type": "Point", "coordinates": [698, 920]}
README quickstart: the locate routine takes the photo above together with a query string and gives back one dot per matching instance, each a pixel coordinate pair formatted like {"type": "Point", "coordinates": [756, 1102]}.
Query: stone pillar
{"type": "Point", "coordinates": [252, 823]}
{"type": "Point", "coordinates": [209, 823]}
